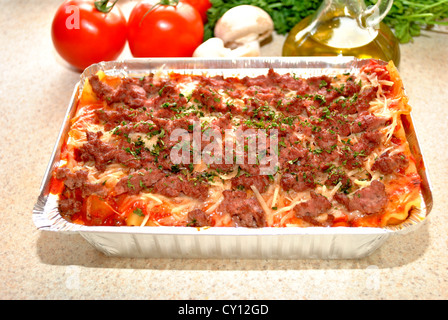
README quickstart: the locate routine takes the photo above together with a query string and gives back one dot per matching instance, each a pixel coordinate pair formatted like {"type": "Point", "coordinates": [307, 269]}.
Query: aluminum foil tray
{"type": "Point", "coordinates": [245, 243]}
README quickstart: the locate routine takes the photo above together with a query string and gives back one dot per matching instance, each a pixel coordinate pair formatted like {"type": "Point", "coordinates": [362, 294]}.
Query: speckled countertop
{"type": "Point", "coordinates": [34, 91]}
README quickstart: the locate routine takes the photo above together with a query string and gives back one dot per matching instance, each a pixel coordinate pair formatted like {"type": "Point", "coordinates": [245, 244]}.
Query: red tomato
{"type": "Point", "coordinates": [82, 35]}
{"type": "Point", "coordinates": [202, 6]}
{"type": "Point", "coordinates": [164, 30]}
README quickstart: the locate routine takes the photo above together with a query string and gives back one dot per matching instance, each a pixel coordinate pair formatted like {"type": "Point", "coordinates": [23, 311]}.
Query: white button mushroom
{"type": "Point", "coordinates": [238, 33]}
{"type": "Point", "coordinates": [214, 47]}
{"type": "Point", "coordinates": [243, 24]}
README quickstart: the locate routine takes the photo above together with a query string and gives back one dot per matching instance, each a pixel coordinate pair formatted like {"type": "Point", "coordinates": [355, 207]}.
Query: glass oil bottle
{"type": "Point", "coordinates": [345, 27]}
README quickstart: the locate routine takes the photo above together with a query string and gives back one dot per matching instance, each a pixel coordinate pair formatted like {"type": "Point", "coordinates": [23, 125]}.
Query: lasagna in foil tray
{"type": "Point", "coordinates": [270, 149]}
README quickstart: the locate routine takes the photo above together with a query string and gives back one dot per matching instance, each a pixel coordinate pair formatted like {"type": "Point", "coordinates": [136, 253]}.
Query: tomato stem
{"type": "Point", "coordinates": [172, 3]}
{"type": "Point", "coordinates": [102, 5]}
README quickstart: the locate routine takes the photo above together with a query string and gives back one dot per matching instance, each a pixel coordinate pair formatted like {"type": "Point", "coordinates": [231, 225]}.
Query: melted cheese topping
{"type": "Point", "coordinates": [278, 204]}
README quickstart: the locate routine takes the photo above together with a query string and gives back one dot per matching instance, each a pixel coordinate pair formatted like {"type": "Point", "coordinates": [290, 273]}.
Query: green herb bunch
{"type": "Point", "coordinates": [285, 14]}
{"type": "Point", "coordinates": [407, 18]}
